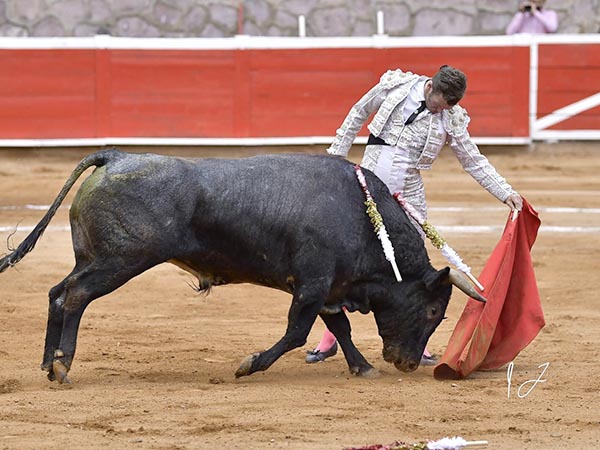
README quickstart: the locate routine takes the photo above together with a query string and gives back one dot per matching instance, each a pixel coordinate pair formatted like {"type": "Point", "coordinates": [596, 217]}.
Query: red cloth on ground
{"type": "Point", "coordinates": [490, 335]}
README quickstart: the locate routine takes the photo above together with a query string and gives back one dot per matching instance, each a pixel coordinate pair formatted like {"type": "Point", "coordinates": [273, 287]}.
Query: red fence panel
{"type": "Point", "coordinates": [245, 88]}
{"type": "Point", "coordinates": [47, 93]}
{"type": "Point", "coordinates": [569, 73]}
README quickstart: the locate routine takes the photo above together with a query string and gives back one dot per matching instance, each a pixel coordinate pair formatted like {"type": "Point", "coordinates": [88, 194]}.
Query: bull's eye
{"type": "Point", "coordinates": [432, 312]}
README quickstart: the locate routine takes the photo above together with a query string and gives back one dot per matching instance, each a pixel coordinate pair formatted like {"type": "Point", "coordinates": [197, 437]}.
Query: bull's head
{"type": "Point", "coordinates": [410, 312]}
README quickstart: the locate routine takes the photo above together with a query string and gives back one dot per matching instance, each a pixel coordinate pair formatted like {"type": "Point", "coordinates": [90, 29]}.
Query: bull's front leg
{"type": "Point", "coordinates": [339, 325]}
{"type": "Point", "coordinates": [301, 317]}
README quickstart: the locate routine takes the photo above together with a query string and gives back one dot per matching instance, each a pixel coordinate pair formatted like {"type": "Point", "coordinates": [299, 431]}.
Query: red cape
{"type": "Point", "coordinates": [490, 335]}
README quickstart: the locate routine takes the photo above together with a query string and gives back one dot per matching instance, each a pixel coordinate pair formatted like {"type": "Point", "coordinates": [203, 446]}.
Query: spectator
{"type": "Point", "coordinates": [532, 18]}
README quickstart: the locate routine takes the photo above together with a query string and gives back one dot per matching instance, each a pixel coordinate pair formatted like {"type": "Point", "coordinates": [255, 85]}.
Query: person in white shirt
{"type": "Point", "coordinates": [414, 117]}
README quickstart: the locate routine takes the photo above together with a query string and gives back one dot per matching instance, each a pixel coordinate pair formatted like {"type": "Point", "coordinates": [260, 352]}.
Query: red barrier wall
{"type": "Point", "coordinates": [568, 74]}
{"type": "Point", "coordinates": [159, 91]}
{"type": "Point", "coordinates": [235, 93]}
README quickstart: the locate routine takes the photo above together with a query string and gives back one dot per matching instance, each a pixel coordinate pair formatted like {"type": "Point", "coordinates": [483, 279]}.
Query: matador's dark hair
{"type": "Point", "coordinates": [451, 83]}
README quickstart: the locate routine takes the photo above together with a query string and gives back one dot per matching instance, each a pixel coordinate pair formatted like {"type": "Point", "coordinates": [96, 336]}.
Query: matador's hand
{"type": "Point", "coordinates": [514, 202]}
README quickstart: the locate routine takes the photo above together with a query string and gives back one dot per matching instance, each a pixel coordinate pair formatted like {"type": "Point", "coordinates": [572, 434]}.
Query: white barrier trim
{"type": "Point", "coordinates": [567, 135]}
{"type": "Point", "coordinates": [217, 142]}
{"type": "Point", "coordinates": [566, 112]}
{"type": "Point", "coordinates": [533, 85]}
{"type": "Point", "coordinates": [241, 42]}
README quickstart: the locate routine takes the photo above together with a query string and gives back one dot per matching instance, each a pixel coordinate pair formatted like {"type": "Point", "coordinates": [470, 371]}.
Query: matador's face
{"type": "Point", "coordinates": [434, 102]}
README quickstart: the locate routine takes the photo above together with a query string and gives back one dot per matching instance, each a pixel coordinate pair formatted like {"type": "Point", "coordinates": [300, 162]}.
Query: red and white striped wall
{"type": "Point", "coordinates": [265, 90]}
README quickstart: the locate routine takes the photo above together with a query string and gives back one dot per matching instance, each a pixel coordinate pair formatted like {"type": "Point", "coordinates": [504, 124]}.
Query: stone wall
{"type": "Point", "coordinates": [221, 18]}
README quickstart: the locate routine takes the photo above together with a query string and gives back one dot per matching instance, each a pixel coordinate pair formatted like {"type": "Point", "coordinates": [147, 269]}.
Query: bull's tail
{"type": "Point", "coordinates": [97, 159]}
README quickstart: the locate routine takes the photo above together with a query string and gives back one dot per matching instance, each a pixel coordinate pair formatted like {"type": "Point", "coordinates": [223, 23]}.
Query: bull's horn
{"type": "Point", "coordinates": [458, 280]}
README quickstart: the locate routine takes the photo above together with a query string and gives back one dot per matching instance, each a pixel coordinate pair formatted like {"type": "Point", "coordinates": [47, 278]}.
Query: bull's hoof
{"type": "Point", "coordinates": [59, 372]}
{"type": "Point", "coordinates": [365, 372]}
{"type": "Point", "coordinates": [246, 366]}
{"type": "Point", "coordinates": [46, 366]}
{"type": "Point", "coordinates": [371, 373]}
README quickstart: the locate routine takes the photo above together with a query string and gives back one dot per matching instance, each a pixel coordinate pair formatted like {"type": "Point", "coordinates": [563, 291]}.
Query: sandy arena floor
{"type": "Point", "coordinates": [155, 361]}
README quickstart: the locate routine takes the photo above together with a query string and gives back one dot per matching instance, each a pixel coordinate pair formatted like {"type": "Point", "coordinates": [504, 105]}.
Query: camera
{"type": "Point", "coordinates": [527, 8]}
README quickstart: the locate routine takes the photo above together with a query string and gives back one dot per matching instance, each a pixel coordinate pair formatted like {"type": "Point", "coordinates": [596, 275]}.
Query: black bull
{"type": "Point", "coordinates": [296, 223]}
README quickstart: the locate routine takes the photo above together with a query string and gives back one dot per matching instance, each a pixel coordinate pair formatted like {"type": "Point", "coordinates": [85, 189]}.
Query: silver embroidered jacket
{"type": "Point", "coordinates": [422, 140]}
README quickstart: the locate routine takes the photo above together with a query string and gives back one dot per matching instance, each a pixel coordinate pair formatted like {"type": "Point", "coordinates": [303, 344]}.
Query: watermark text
{"type": "Point", "coordinates": [529, 383]}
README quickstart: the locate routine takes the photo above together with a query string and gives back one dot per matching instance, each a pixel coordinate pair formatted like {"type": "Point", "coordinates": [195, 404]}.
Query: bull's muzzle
{"type": "Point", "coordinates": [401, 362]}
{"type": "Point", "coordinates": [407, 366]}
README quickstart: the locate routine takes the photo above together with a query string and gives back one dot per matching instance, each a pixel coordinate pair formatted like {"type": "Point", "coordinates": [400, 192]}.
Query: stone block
{"type": "Point", "coordinates": [70, 13]}
{"type": "Point", "coordinates": [299, 7]}
{"type": "Point", "coordinates": [493, 23]}
{"type": "Point", "coordinates": [25, 12]}
{"type": "Point", "coordinates": [182, 5]}
{"type": "Point", "coordinates": [224, 17]}
{"type": "Point", "coordinates": [48, 26]}
{"type": "Point", "coordinates": [11, 30]}
{"type": "Point", "coordinates": [195, 20]}
{"type": "Point", "coordinates": [433, 22]}
{"type": "Point", "coordinates": [277, 31]}
{"type": "Point", "coordinates": [251, 29]}
{"type": "Point", "coordinates": [211, 31]}
{"type": "Point", "coordinates": [364, 28]}
{"type": "Point", "coordinates": [329, 22]}
{"type": "Point", "coordinates": [259, 12]}
{"type": "Point", "coordinates": [99, 11]}
{"type": "Point", "coordinates": [363, 10]}
{"type": "Point", "coordinates": [285, 20]}
{"type": "Point", "coordinates": [166, 16]}
{"type": "Point", "coordinates": [396, 19]}
{"type": "Point", "coordinates": [136, 27]}
{"type": "Point", "coordinates": [498, 6]}
{"type": "Point", "coordinates": [85, 30]}
{"type": "Point", "coordinates": [129, 7]}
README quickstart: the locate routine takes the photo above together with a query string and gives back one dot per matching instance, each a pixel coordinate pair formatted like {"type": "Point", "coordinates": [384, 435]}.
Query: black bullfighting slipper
{"type": "Point", "coordinates": [315, 356]}
{"type": "Point", "coordinates": [429, 360]}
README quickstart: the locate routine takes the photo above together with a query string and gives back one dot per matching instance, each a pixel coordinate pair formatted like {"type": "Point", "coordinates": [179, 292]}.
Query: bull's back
{"type": "Point", "coordinates": [271, 215]}
{"type": "Point", "coordinates": [249, 219]}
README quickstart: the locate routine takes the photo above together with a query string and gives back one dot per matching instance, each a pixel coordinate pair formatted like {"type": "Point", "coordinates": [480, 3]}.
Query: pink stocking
{"type": "Point", "coordinates": [327, 341]}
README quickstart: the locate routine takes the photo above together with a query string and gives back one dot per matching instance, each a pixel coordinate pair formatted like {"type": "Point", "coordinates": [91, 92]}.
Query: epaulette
{"type": "Point", "coordinates": [455, 120]}
{"type": "Point", "coordinates": [393, 78]}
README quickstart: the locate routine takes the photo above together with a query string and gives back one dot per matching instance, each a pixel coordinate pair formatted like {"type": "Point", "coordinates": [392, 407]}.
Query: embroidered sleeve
{"type": "Point", "coordinates": [355, 120]}
{"type": "Point", "coordinates": [478, 166]}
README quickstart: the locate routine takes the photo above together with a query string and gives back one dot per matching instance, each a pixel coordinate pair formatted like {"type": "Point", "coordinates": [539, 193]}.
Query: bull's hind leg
{"type": "Point", "coordinates": [305, 308]}
{"type": "Point", "coordinates": [68, 302]}
{"type": "Point", "coordinates": [54, 325]}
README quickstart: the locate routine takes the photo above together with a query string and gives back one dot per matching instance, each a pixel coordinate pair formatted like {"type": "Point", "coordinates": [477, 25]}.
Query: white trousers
{"type": "Point", "coordinates": [395, 168]}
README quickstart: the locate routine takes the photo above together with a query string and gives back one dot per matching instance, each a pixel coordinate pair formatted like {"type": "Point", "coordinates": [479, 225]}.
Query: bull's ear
{"type": "Point", "coordinates": [435, 279]}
